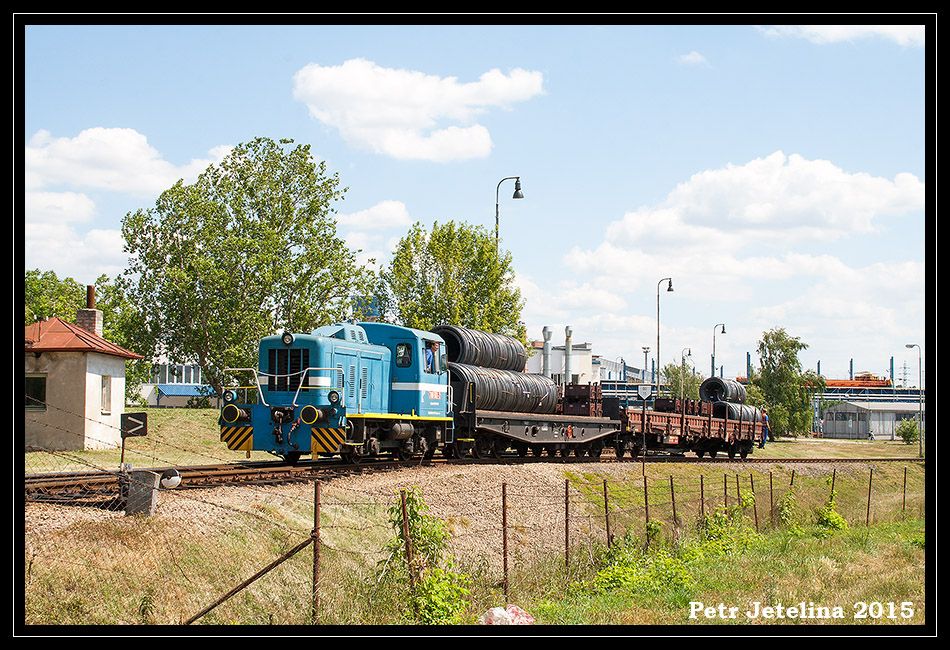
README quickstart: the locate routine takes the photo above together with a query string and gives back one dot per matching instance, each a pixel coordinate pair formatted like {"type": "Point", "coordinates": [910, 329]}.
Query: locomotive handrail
{"type": "Point", "coordinates": [258, 375]}
{"type": "Point", "coordinates": [342, 384]}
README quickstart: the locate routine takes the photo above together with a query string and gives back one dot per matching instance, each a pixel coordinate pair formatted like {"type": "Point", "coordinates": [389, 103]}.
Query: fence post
{"type": "Point", "coordinates": [793, 477]}
{"type": "Point", "coordinates": [771, 501]}
{"type": "Point", "coordinates": [673, 500]}
{"type": "Point", "coordinates": [834, 474]}
{"type": "Point", "coordinates": [702, 498]}
{"type": "Point", "coordinates": [755, 505]}
{"type": "Point", "coordinates": [504, 533]}
{"type": "Point", "coordinates": [646, 509]}
{"type": "Point", "coordinates": [607, 516]}
{"type": "Point", "coordinates": [738, 495]}
{"type": "Point", "coordinates": [725, 490]}
{"type": "Point", "coordinates": [405, 535]}
{"type": "Point", "coordinates": [867, 520]}
{"type": "Point", "coordinates": [315, 534]}
{"type": "Point", "coordinates": [904, 499]}
{"type": "Point", "coordinates": [567, 526]}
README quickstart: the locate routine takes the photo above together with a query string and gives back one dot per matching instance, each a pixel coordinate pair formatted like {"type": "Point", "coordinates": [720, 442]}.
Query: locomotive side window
{"type": "Point", "coordinates": [403, 355]}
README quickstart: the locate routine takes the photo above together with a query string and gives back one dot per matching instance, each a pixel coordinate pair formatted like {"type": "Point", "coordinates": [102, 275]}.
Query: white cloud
{"type": "Point", "coordinates": [81, 256]}
{"type": "Point", "coordinates": [58, 207]}
{"type": "Point", "coordinates": [905, 35]}
{"type": "Point", "coordinates": [692, 58]}
{"type": "Point", "coordinates": [384, 215]}
{"type": "Point", "coordinates": [115, 159]}
{"type": "Point", "coordinates": [402, 113]}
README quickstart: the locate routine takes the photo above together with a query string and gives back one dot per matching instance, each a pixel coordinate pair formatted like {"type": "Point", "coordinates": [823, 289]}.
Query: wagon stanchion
{"type": "Point", "coordinates": [504, 535]}
{"type": "Point", "coordinates": [607, 516]}
{"type": "Point", "coordinates": [315, 535]}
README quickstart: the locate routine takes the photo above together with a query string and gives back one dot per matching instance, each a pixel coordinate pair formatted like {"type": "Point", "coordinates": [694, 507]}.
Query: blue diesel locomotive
{"type": "Point", "coordinates": [349, 389]}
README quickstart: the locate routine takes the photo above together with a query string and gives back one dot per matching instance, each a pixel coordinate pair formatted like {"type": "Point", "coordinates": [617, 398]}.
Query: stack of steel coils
{"type": "Point", "coordinates": [728, 397]}
{"type": "Point", "coordinates": [494, 364]}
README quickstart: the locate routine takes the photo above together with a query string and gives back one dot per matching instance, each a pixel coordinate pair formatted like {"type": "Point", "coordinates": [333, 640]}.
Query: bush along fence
{"type": "Point", "coordinates": [237, 555]}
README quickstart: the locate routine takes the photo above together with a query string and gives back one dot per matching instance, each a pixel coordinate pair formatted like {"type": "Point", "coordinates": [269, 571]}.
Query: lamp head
{"type": "Point", "coordinates": [518, 194]}
{"type": "Point", "coordinates": [670, 285]}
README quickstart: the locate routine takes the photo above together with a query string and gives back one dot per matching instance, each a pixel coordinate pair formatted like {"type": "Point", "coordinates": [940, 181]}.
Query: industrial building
{"type": "Point", "coordinates": [860, 420]}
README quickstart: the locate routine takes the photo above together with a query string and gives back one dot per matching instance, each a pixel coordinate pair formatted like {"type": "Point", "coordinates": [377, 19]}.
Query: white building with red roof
{"type": "Point", "coordinates": [75, 383]}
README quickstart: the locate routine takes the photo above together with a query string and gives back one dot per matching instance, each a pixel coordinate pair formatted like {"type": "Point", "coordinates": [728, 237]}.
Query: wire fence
{"type": "Point", "coordinates": [303, 553]}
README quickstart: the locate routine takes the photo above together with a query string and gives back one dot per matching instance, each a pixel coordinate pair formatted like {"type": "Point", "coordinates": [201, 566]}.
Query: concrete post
{"type": "Point", "coordinates": [143, 493]}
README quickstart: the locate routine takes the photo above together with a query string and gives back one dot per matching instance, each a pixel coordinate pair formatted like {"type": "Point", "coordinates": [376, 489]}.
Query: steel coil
{"type": "Point", "coordinates": [506, 390]}
{"type": "Point", "coordinates": [734, 411]}
{"type": "Point", "coordinates": [716, 389]}
{"type": "Point", "coordinates": [484, 349]}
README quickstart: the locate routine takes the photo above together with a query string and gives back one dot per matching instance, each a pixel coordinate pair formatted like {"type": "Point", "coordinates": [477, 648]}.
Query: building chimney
{"type": "Point", "coordinates": [567, 354]}
{"type": "Point", "coordinates": [90, 318]}
{"type": "Point", "coordinates": [546, 352]}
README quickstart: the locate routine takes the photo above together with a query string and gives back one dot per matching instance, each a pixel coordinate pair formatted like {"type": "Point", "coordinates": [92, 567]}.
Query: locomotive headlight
{"type": "Point", "coordinates": [287, 338]}
{"type": "Point", "coordinates": [229, 396]}
{"type": "Point", "coordinates": [333, 396]}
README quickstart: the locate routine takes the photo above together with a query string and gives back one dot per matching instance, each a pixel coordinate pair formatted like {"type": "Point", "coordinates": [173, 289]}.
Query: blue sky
{"type": "Point", "coordinates": [776, 173]}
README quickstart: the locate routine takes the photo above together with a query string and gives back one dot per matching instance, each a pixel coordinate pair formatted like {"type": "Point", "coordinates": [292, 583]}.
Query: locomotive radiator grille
{"type": "Point", "coordinates": [326, 440]}
{"type": "Point", "coordinates": [238, 438]}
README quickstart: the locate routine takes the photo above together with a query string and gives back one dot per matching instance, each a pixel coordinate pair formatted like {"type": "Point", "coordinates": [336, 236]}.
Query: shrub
{"type": "Point", "coordinates": [441, 597]}
{"type": "Point", "coordinates": [828, 518]}
{"type": "Point", "coordinates": [907, 430]}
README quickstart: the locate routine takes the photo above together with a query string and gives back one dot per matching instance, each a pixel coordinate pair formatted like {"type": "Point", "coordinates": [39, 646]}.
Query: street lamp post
{"type": "Point", "coordinates": [920, 402]}
{"type": "Point", "coordinates": [713, 367]}
{"type": "Point", "coordinates": [659, 359]}
{"type": "Point", "coordinates": [685, 352]}
{"type": "Point", "coordinates": [517, 195]}
{"type": "Point", "coordinates": [646, 351]}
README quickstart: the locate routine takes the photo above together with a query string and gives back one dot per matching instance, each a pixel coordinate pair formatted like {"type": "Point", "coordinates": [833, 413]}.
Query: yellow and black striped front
{"type": "Point", "coordinates": [326, 440]}
{"type": "Point", "coordinates": [238, 438]}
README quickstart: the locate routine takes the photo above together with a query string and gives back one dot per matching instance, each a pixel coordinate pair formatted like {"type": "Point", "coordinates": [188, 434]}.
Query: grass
{"type": "Point", "coordinates": [134, 570]}
{"type": "Point", "coordinates": [829, 448]}
{"type": "Point", "coordinates": [176, 436]}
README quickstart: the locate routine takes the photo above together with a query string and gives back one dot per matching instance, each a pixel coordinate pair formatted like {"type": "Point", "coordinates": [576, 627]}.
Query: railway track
{"type": "Point", "coordinates": [96, 487]}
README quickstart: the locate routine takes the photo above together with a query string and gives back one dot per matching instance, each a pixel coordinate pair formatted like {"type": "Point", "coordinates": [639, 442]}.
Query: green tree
{"type": "Point", "coordinates": [681, 380]}
{"type": "Point", "coordinates": [786, 390]}
{"type": "Point", "coordinates": [249, 249]}
{"type": "Point", "coordinates": [47, 295]}
{"type": "Point", "coordinates": [452, 275]}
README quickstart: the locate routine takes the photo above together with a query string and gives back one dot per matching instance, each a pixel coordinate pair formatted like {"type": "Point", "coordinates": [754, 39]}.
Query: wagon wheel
{"type": "Point", "coordinates": [712, 453]}
{"type": "Point", "coordinates": [499, 447]}
{"type": "Point", "coordinates": [596, 449]}
{"type": "Point", "coordinates": [619, 448]}
{"type": "Point", "coordinates": [537, 450]}
{"type": "Point", "coordinates": [580, 451]}
{"type": "Point", "coordinates": [700, 453]}
{"type": "Point", "coordinates": [732, 451]}
{"type": "Point", "coordinates": [521, 449]}
{"type": "Point", "coordinates": [483, 447]}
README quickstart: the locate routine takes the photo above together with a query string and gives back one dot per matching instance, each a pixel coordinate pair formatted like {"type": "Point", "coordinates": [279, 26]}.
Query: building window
{"type": "Point", "coordinates": [106, 394]}
{"type": "Point", "coordinates": [36, 392]}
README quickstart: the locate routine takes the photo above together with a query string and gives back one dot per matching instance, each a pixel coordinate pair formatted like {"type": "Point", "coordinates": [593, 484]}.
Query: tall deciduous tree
{"type": "Point", "coordinates": [46, 296]}
{"type": "Point", "coordinates": [249, 249]}
{"type": "Point", "coordinates": [787, 391]}
{"type": "Point", "coordinates": [453, 275]}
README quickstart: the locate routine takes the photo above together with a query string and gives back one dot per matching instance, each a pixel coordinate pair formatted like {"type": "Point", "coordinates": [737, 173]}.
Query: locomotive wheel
{"type": "Point", "coordinates": [351, 457]}
{"type": "Point", "coordinates": [292, 458]}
